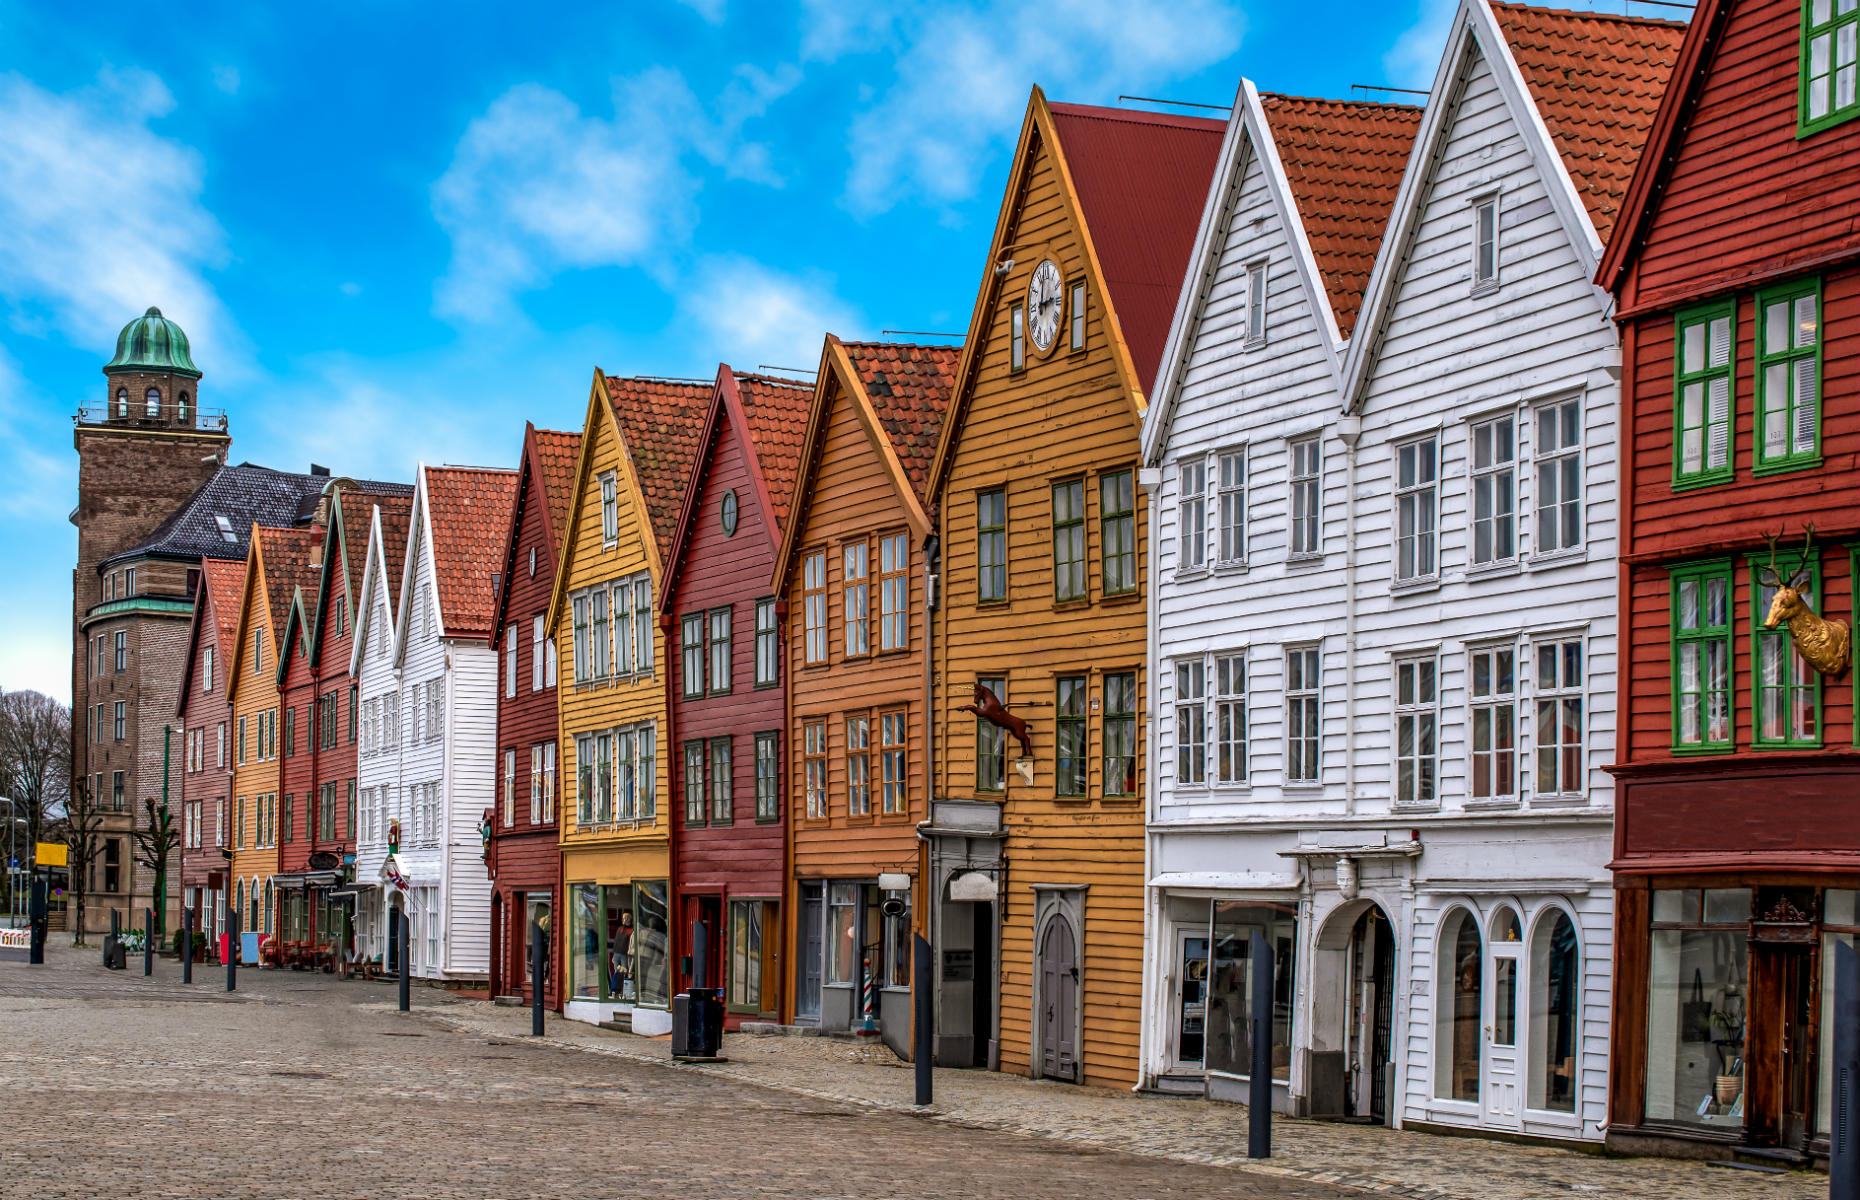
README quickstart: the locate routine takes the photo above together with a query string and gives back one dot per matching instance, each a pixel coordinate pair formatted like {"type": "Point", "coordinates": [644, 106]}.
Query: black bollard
{"type": "Point", "coordinates": [38, 909]}
{"type": "Point", "coordinates": [539, 956]}
{"type": "Point", "coordinates": [1843, 1154]}
{"type": "Point", "coordinates": [232, 950]}
{"type": "Point", "coordinates": [405, 964]}
{"type": "Point", "coordinates": [920, 1000]}
{"type": "Point", "coordinates": [187, 945]}
{"type": "Point", "coordinates": [148, 942]}
{"type": "Point", "coordinates": [1259, 1087]}
{"type": "Point", "coordinates": [112, 940]}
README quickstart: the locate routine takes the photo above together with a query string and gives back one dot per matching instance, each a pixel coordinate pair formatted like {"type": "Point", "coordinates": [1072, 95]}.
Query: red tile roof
{"type": "Point", "coordinates": [1344, 160]}
{"type": "Point", "coordinates": [396, 525]}
{"type": "Point", "coordinates": [558, 451]}
{"type": "Point", "coordinates": [660, 420]}
{"type": "Point", "coordinates": [225, 584]}
{"type": "Point", "coordinates": [1142, 179]}
{"type": "Point", "coordinates": [776, 410]}
{"type": "Point", "coordinates": [910, 388]}
{"type": "Point", "coordinates": [470, 512]}
{"type": "Point", "coordinates": [287, 567]}
{"type": "Point", "coordinates": [1597, 80]}
{"type": "Point", "coordinates": [357, 510]}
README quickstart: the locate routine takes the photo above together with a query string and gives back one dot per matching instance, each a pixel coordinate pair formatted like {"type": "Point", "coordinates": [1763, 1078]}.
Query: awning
{"type": "Point", "coordinates": [358, 888]}
{"type": "Point", "coordinates": [298, 880]}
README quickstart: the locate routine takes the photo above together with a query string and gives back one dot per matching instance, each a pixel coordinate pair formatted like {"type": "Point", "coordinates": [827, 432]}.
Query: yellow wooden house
{"type": "Point", "coordinates": [637, 448]}
{"type": "Point", "coordinates": [1042, 614]}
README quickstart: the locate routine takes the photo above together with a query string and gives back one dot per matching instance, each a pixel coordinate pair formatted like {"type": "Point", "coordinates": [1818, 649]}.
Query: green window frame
{"type": "Point", "coordinates": [1788, 375]}
{"type": "Point", "coordinates": [1785, 689]}
{"type": "Point", "coordinates": [1069, 540]}
{"type": "Point", "coordinates": [1704, 394]}
{"type": "Point", "coordinates": [991, 546]}
{"type": "Point", "coordinates": [1117, 520]}
{"type": "Point", "coordinates": [1703, 677]}
{"type": "Point", "coordinates": [1829, 62]}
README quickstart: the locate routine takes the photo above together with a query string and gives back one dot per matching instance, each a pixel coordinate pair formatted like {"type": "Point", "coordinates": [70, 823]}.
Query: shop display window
{"type": "Point", "coordinates": [1696, 1007]}
{"type": "Point", "coordinates": [1227, 1046]}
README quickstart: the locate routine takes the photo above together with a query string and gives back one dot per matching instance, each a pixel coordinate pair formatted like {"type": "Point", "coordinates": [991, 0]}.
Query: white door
{"type": "Point", "coordinates": [1504, 1026]}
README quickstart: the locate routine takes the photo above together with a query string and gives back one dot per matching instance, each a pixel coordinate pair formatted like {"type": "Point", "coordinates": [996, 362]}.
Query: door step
{"type": "Point", "coordinates": [1770, 1154]}
{"type": "Point", "coordinates": [1179, 1085]}
{"type": "Point", "coordinates": [621, 1023]}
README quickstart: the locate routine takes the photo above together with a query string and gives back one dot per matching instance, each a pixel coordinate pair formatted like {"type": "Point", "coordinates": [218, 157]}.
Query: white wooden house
{"type": "Point", "coordinates": [427, 772]}
{"type": "Point", "coordinates": [1424, 611]}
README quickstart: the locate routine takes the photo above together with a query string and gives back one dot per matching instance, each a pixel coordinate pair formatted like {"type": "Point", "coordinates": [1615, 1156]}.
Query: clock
{"type": "Point", "coordinates": [1045, 297]}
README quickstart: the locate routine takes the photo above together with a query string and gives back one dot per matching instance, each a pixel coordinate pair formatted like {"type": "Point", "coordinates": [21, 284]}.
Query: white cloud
{"type": "Point", "coordinates": [101, 217]}
{"type": "Point", "coordinates": [962, 75]}
{"type": "Point", "coordinates": [1415, 57]}
{"type": "Point", "coordinates": [537, 187]}
{"type": "Point", "coordinates": [749, 314]}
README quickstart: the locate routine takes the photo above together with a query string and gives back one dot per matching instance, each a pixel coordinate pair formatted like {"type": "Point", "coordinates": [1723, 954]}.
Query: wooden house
{"type": "Point", "coordinates": [526, 859]}
{"type": "Point", "coordinates": [848, 590]}
{"type": "Point", "coordinates": [725, 691]}
{"type": "Point", "coordinates": [1245, 440]}
{"type": "Point", "coordinates": [637, 448]}
{"type": "Point", "coordinates": [379, 798]}
{"type": "Point", "coordinates": [205, 717]}
{"type": "Point", "coordinates": [1735, 268]}
{"type": "Point", "coordinates": [1041, 611]}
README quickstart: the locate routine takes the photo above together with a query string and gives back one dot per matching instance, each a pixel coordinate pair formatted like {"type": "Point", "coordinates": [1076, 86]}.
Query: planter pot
{"type": "Point", "coordinates": [1728, 1089]}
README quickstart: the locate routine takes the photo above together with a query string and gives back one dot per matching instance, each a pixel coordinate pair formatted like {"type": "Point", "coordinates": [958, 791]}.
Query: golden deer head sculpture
{"type": "Point", "coordinates": [1826, 644]}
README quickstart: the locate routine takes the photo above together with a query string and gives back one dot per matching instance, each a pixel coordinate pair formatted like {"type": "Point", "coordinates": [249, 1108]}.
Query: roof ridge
{"type": "Point", "coordinates": [1136, 116]}
{"type": "Point", "coordinates": [1351, 101]}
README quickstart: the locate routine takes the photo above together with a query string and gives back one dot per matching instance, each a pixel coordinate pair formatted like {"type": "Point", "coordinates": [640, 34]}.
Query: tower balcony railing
{"type": "Point", "coordinates": [211, 420]}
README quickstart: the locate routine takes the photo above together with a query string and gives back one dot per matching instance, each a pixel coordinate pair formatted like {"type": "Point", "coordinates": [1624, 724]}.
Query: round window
{"type": "Point", "coordinates": [532, 562]}
{"type": "Point", "coordinates": [729, 514]}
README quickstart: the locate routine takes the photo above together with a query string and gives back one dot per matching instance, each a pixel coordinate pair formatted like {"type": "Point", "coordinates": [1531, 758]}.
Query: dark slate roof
{"type": "Point", "coordinates": [245, 495]}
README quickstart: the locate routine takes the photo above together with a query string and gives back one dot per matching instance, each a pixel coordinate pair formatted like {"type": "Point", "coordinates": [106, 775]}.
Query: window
{"type": "Point", "coordinates": [242, 741]}
{"type": "Point", "coordinates": [122, 402]}
{"type": "Point", "coordinates": [151, 401]}
{"type": "Point", "coordinates": [1494, 687]}
{"type": "Point", "coordinates": [1191, 722]}
{"type": "Point", "coordinates": [1069, 736]}
{"type": "Point", "coordinates": [814, 606]}
{"type": "Point", "coordinates": [290, 733]}
{"type": "Point", "coordinates": [843, 929]}
{"type": "Point", "coordinates": [1017, 338]}
{"type": "Point", "coordinates": [258, 652]}
{"type": "Point", "coordinates": [120, 640]}
{"type": "Point", "coordinates": [642, 624]}
{"type": "Point", "coordinates": [691, 651]}
{"type": "Point", "coordinates": [535, 785]}
{"type": "Point", "coordinates": [1120, 734]}
{"type": "Point", "coordinates": [1416, 719]}
{"type": "Point", "coordinates": [1698, 974]}
{"type": "Point", "coordinates": [855, 613]}
{"type": "Point", "coordinates": [584, 780]}
{"type": "Point", "coordinates": [510, 660]}
{"type": "Point", "coordinates": [814, 748]}
{"type": "Point", "coordinates": [1256, 304]}
{"type": "Point", "coordinates": [1485, 243]}
{"type": "Point", "coordinates": [1702, 426]}
{"type": "Point", "coordinates": [181, 408]}
{"type": "Point", "coordinates": [603, 778]}
{"type": "Point", "coordinates": [720, 669]}
{"type": "Point", "coordinates": [694, 782]}
{"type": "Point", "coordinates": [858, 766]}
{"type": "Point", "coordinates": [1307, 497]}
{"type": "Point", "coordinates": [1233, 507]}
{"type": "Point", "coordinates": [1303, 714]}
{"type": "Point", "coordinates": [991, 744]}
{"type": "Point", "coordinates": [991, 546]}
{"type": "Point", "coordinates": [623, 627]}
{"type": "Point", "coordinates": [119, 724]}
{"type": "Point", "coordinates": [510, 788]}
{"type": "Point", "coordinates": [1415, 500]}
{"type": "Point", "coordinates": [891, 739]}
{"type": "Point", "coordinates": [1230, 756]}
{"type": "Point", "coordinates": [1788, 690]}
{"type": "Point", "coordinates": [1830, 29]}
{"type": "Point", "coordinates": [610, 509]}
{"type": "Point", "coordinates": [750, 957]}
{"type": "Point", "coordinates": [768, 776]}
{"type": "Point", "coordinates": [326, 814]}
{"type": "Point", "coordinates": [1069, 540]}
{"type": "Point", "coordinates": [1117, 516]}
{"type": "Point", "coordinates": [894, 559]}
{"type": "Point", "coordinates": [1192, 515]}
{"type": "Point", "coordinates": [354, 710]}
{"type": "Point", "coordinates": [206, 669]}
{"type": "Point", "coordinates": [598, 659]}
{"type": "Point", "coordinates": [768, 645]}
{"type": "Point", "coordinates": [129, 581]}
{"type": "Point", "coordinates": [722, 782]}
{"type": "Point", "coordinates": [1701, 656]}
{"type": "Point", "coordinates": [646, 758]}
{"type": "Point", "coordinates": [1495, 491]}
{"type": "Point", "coordinates": [1078, 314]}
{"type": "Point", "coordinates": [1459, 980]}
{"type": "Point", "coordinates": [349, 810]}
{"type": "Point", "coordinates": [1559, 718]}
{"type": "Point", "coordinates": [1789, 368]}
{"type": "Point", "coordinates": [219, 751]}
{"type": "Point", "coordinates": [1559, 476]}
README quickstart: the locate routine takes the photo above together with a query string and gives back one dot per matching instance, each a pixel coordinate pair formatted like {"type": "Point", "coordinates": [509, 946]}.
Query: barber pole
{"type": "Point", "coordinates": [869, 1024]}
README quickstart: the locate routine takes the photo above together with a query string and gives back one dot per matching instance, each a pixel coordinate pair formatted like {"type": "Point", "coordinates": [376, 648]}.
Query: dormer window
{"type": "Point", "coordinates": [1485, 244]}
{"type": "Point", "coordinates": [226, 528]}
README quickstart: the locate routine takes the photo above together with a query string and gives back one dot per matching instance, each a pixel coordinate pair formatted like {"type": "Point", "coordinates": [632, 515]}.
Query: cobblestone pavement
{"type": "Point", "coordinates": [303, 1087]}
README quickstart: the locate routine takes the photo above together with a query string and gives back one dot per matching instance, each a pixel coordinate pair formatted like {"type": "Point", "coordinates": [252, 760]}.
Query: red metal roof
{"type": "Point", "coordinates": [776, 410]}
{"type": "Point", "coordinates": [909, 387]}
{"type": "Point", "coordinates": [1597, 80]}
{"type": "Point", "coordinates": [1344, 160]}
{"type": "Point", "coordinates": [557, 451]}
{"type": "Point", "coordinates": [1142, 179]}
{"type": "Point", "coordinates": [661, 421]}
{"type": "Point", "coordinates": [469, 508]}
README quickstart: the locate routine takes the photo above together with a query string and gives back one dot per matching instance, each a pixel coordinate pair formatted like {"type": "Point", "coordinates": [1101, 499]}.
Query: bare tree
{"type": "Point", "coordinates": [35, 765]}
{"type": "Point", "coordinates": [153, 845]}
{"type": "Point", "coordinates": [83, 834]}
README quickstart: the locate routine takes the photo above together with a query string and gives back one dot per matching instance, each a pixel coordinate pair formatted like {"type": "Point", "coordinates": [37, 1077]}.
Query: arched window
{"type": "Point", "coordinates": [1459, 994]}
{"type": "Point", "coordinates": [122, 402]}
{"type": "Point", "coordinates": [152, 402]}
{"type": "Point", "coordinates": [238, 896]}
{"type": "Point", "coordinates": [1556, 994]}
{"type": "Point", "coordinates": [268, 906]}
{"type": "Point", "coordinates": [180, 409]}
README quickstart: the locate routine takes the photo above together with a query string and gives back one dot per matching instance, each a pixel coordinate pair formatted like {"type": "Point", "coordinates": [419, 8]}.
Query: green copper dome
{"type": "Point", "coordinates": [152, 343]}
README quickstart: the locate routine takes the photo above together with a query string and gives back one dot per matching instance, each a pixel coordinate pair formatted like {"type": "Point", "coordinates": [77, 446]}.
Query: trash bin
{"type": "Point", "coordinates": [115, 954]}
{"type": "Point", "coordinates": [697, 1023]}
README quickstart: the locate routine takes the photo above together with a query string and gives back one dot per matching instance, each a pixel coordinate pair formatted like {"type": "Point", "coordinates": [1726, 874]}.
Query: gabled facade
{"type": "Point", "coordinates": [1245, 442]}
{"type": "Point", "coordinates": [380, 802]}
{"type": "Point", "coordinates": [725, 692]}
{"type": "Point", "coordinates": [1044, 566]}
{"type": "Point", "coordinates": [526, 856]}
{"type": "Point", "coordinates": [205, 717]}
{"type": "Point", "coordinates": [637, 448]}
{"type": "Point", "coordinates": [1736, 273]}
{"type": "Point", "coordinates": [850, 579]}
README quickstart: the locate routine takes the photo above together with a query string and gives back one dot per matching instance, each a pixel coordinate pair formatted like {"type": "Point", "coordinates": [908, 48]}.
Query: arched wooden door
{"type": "Point", "coordinates": [1059, 1001]}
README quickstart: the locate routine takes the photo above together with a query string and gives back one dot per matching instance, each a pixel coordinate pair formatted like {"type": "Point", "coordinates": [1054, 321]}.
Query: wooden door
{"type": "Point", "coordinates": [1779, 1044]}
{"type": "Point", "coordinates": [813, 951]}
{"type": "Point", "coordinates": [1059, 982]}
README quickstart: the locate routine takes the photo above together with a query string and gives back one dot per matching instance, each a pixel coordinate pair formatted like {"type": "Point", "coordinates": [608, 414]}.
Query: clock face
{"type": "Point", "coordinates": [1045, 297]}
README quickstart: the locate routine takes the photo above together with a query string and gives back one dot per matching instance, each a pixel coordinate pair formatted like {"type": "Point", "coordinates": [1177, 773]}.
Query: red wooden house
{"type": "Point", "coordinates": [724, 689]}
{"type": "Point", "coordinates": [1736, 271]}
{"type": "Point", "coordinates": [205, 717]}
{"type": "Point", "coordinates": [525, 860]}
{"type": "Point", "coordinates": [316, 697]}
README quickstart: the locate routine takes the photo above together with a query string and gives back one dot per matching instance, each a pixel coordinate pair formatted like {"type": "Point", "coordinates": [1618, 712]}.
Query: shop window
{"type": "Point", "coordinates": [1231, 977]}
{"type": "Point", "coordinates": [652, 945]}
{"type": "Point", "coordinates": [1458, 1002]}
{"type": "Point", "coordinates": [586, 977]}
{"type": "Point", "coordinates": [748, 956]}
{"type": "Point", "coordinates": [842, 932]}
{"type": "Point", "coordinates": [1696, 1004]}
{"type": "Point", "coordinates": [1556, 998]}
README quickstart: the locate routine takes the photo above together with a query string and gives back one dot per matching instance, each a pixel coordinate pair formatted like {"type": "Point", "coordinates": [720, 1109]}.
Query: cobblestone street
{"type": "Point", "coordinates": [303, 1086]}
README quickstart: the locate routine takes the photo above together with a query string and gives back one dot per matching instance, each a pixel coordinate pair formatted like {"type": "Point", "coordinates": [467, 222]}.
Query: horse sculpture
{"type": "Point", "coordinates": [989, 708]}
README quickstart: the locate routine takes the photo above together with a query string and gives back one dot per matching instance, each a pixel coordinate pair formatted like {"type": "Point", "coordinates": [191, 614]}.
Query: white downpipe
{"type": "Point", "coordinates": [1349, 429]}
{"type": "Point", "coordinates": [1150, 1000]}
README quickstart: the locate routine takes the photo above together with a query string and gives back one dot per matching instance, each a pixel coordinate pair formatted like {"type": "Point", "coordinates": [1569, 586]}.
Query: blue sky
{"type": "Point", "coordinates": [396, 232]}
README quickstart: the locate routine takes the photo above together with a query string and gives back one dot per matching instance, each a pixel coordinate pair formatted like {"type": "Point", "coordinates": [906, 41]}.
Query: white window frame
{"type": "Point", "coordinates": [1190, 680]}
{"type": "Point", "coordinates": [1496, 476]}
{"type": "Point", "coordinates": [510, 661]}
{"type": "Point", "coordinates": [1191, 553]}
{"type": "Point", "coordinates": [537, 653]}
{"type": "Point", "coordinates": [1230, 499]}
{"type": "Point", "coordinates": [1421, 492]}
{"type": "Point", "coordinates": [1494, 703]}
{"type": "Point", "coordinates": [1257, 289]}
{"type": "Point", "coordinates": [1424, 668]}
{"type": "Point", "coordinates": [1304, 497]}
{"type": "Point", "coordinates": [510, 785]}
{"type": "Point", "coordinates": [1548, 498]}
{"type": "Point", "coordinates": [1485, 274]}
{"type": "Point", "coordinates": [1307, 690]}
{"type": "Point", "coordinates": [1556, 693]}
{"type": "Point", "coordinates": [610, 509]}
